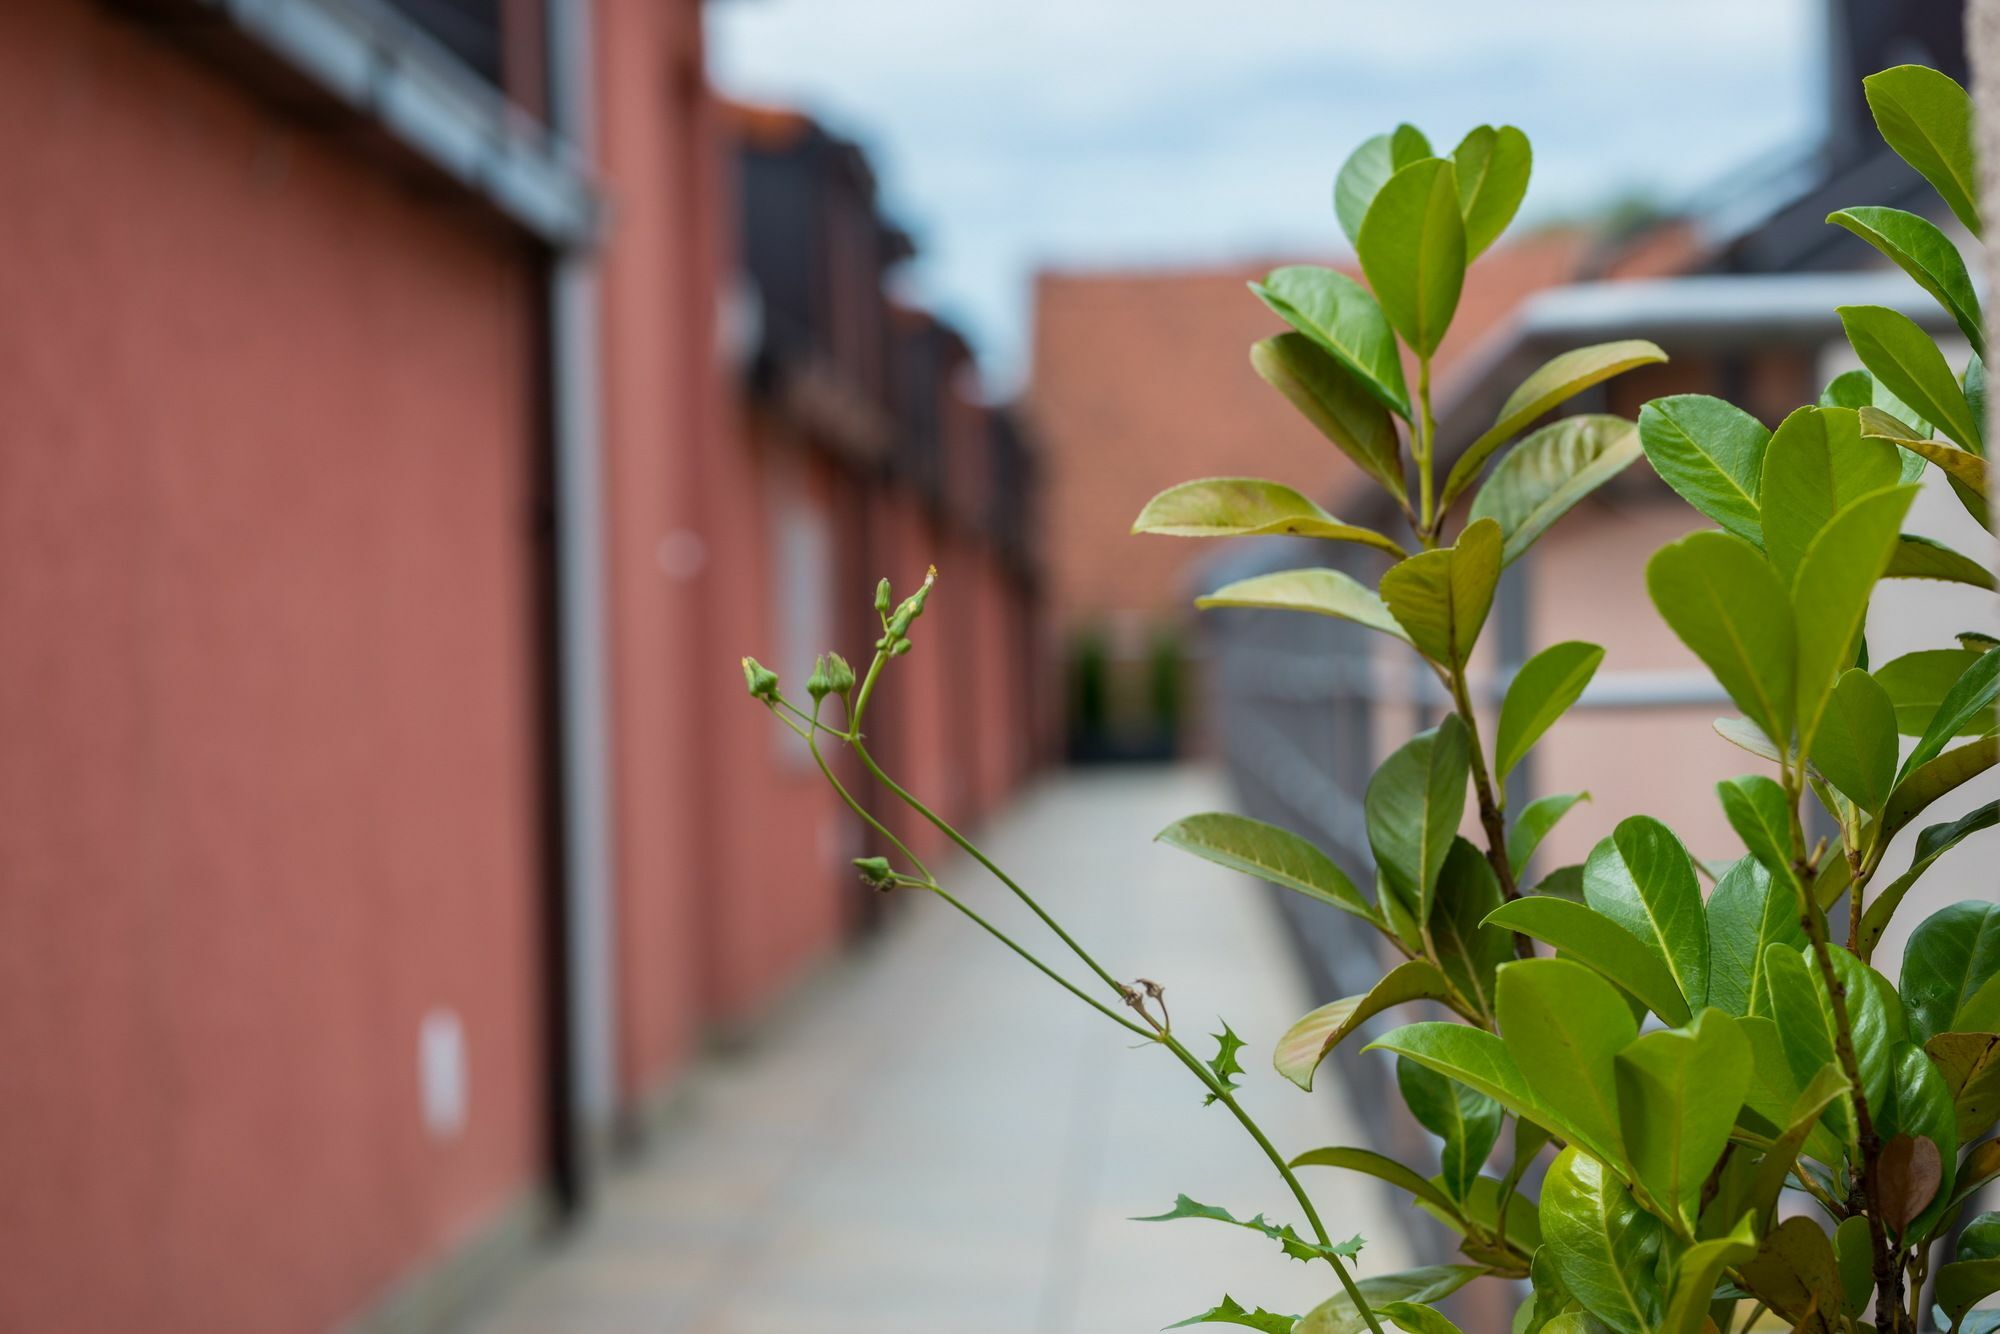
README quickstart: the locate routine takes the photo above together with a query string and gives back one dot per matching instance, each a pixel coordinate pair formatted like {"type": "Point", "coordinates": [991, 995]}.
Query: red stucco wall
{"type": "Point", "coordinates": [268, 775]}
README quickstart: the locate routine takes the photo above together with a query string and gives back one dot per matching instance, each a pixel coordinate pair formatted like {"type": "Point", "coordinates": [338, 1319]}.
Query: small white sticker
{"type": "Point", "coordinates": [441, 1071]}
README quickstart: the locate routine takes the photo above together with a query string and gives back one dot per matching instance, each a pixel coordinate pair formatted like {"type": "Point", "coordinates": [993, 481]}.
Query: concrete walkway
{"type": "Point", "coordinates": [939, 1140]}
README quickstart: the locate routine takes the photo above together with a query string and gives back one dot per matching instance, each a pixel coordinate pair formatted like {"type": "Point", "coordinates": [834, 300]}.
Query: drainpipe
{"type": "Point", "coordinates": [583, 974]}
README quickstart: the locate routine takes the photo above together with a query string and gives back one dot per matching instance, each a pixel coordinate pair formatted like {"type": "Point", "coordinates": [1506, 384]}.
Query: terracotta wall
{"type": "Point", "coordinates": [268, 752]}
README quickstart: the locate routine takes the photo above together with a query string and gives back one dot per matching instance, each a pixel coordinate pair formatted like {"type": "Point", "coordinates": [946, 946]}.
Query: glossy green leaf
{"type": "Point", "coordinates": [1275, 855]}
{"type": "Point", "coordinates": [1920, 557]}
{"type": "Point", "coordinates": [1830, 594]}
{"type": "Point", "coordinates": [1927, 118]}
{"type": "Point", "coordinates": [1412, 248]}
{"type": "Point", "coordinates": [1858, 389]}
{"type": "Point", "coordinates": [1854, 1257]}
{"type": "Point", "coordinates": [1544, 476]}
{"type": "Point", "coordinates": [1413, 805]}
{"type": "Point", "coordinates": [1417, 1319]}
{"type": "Point", "coordinates": [1969, 705]}
{"type": "Point", "coordinates": [1382, 1168]}
{"type": "Point", "coordinates": [1229, 1312]}
{"type": "Point", "coordinates": [1367, 167]}
{"type": "Point", "coordinates": [1467, 949]}
{"type": "Point", "coordinates": [1602, 1243]}
{"type": "Point", "coordinates": [1918, 248]}
{"type": "Point", "coordinates": [1746, 735]}
{"type": "Point", "coordinates": [1816, 465]}
{"type": "Point", "coordinates": [1712, 453]}
{"type": "Point", "coordinates": [1723, 600]}
{"type": "Point", "coordinates": [1339, 315]}
{"type": "Point", "coordinates": [1309, 1041]}
{"type": "Point", "coordinates": [1916, 790]}
{"type": "Point", "coordinates": [1951, 955]}
{"type": "Point", "coordinates": [1798, 1126]}
{"type": "Point", "coordinates": [1678, 1093]}
{"type": "Point", "coordinates": [1643, 879]}
{"type": "Point", "coordinates": [1794, 1273]}
{"type": "Point", "coordinates": [1932, 843]}
{"type": "Point", "coordinates": [1541, 691]}
{"type": "Point", "coordinates": [1696, 1274]}
{"type": "Point", "coordinates": [1747, 914]}
{"type": "Point", "coordinates": [1918, 682]}
{"type": "Point", "coordinates": [1432, 1283]}
{"type": "Point", "coordinates": [1322, 592]}
{"type": "Point", "coordinates": [1803, 1027]}
{"type": "Point", "coordinates": [1805, 1021]}
{"type": "Point", "coordinates": [1492, 168]}
{"type": "Point", "coordinates": [1921, 1107]}
{"type": "Point", "coordinates": [1441, 597]}
{"type": "Point", "coordinates": [1969, 1064]}
{"type": "Point", "coordinates": [1473, 1057]}
{"type": "Point", "coordinates": [1247, 507]}
{"type": "Point", "coordinates": [1590, 938]}
{"type": "Point", "coordinates": [1564, 1026]}
{"type": "Point", "coordinates": [1558, 380]}
{"type": "Point", "coordinates": [1533, 824]}
{"type": "Point", "coordinates": [1902, 356]}
{"type": "Point", "coordinates": [1466, 1120]}
{"type": "Point", "coordinates": [1855, 748]}
{"type": "Point", "coordinates": [1966, 470]}
{"type": "Point", "coordinates": [1333, 399]}
{"type": "Point", "coordinates": [1761, 815]}
{"type": "Point", "coordinates": [1962, 1284]}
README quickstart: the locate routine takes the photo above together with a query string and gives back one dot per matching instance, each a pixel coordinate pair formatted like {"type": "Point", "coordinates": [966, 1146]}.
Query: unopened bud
{"type": "Point", "coordinates": [882, 596]}
{"type": "Point", "coordinates": [899, 648]}
{"type": "Point", "coordinates": [839, 676]}
{"type": "Point", "coordinates": [875, 871]}
{"type": "Point", "coordinates": [913, 605]}
{"type": "Point", "coordinates": [763, 682]}
{"type": "Point", "coordinates": [816, 684]}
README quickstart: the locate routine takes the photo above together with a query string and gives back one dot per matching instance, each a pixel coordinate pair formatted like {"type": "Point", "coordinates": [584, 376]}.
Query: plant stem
{"type": "Point", "coordinates": [1423, 439]}
{"type": "Point", "coordinates": [1046, 971]}
{"type": "Point", "coordinates": [1492, 805]}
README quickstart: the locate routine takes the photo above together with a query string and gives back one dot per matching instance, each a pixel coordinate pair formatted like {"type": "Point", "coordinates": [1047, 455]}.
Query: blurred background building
{"type": "Point", "coordinates": [414, 407]}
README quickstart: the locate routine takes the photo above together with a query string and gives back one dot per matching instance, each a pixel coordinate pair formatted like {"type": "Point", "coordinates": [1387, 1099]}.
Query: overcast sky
{"type": "Point", "coordinates": [1012, 135]}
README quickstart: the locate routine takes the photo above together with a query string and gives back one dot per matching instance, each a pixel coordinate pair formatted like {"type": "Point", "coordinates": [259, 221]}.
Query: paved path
{"type": "Point", "coordinates": [938, 1140]}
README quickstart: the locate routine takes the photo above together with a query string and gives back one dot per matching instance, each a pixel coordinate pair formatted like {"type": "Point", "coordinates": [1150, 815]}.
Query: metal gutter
{"type": "Point", "coordinates": [367, 59]}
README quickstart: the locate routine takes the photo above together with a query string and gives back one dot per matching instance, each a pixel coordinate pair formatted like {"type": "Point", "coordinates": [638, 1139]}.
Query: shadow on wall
{"type": "Point", "coordinates": [1127, 693]}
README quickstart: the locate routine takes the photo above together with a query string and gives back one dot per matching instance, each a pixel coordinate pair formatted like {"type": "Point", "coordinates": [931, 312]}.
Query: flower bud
{"type": "Point", "coordinates": [899, 648]}
{"type": "Point", "coordinates": [816, 684]}
{"type": "Point", "coordinates": [763, 682]}
{"type": "Point", "coordinates": [882, 596]}
{"type": "Point", "coordinates": [875, 871]}
{"type": "Point", "coordinates": [839, 676]}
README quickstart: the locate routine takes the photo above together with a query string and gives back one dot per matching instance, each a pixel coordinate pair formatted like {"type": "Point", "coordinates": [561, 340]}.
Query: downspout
{"type": "Point", "coordinates": [584, 1109]}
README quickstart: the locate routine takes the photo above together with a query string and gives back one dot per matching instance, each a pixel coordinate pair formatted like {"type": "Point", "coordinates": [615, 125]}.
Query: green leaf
{"type": "Point", "coordinates": [1310, 1040]}
{"type": "Point", "coordinates": [1412, 248]}
{"type": "Point", "coordinates": [1927, 118]}
{"type": "Point", "coordinates": [1794, 1273]}
{"type": "Point", "coordinates": [1466, 1120]}
{"type": "Point", "coordinates": [1432, 1283]}
{"type": "Point", "coordinates": [1322, 592]}
{"type": "Point", "coordinates": [1230, 1313]}
{"type": "Point", "coordinates": [1603, 1244]}
{"type": "Point", "coordinates": [1333, 399]}
{"type": "Point", "coordinates": [1275, 855]}
{"type": "Point", "coordinates": [1295, 1246]}
{"type": "Point", "coordinates": [1337, 313]}
{"type": "Point", "coordinates": [1643, 879]}
{"type": "Point", "coordinates": [1747, 914]}
{"type": "Point", "coordinates": [1678, 1094]}
{"type": "Point", "coordinates": [1932, 843]}
{"type": "Point", "coordinates": [1921, 1108]}
{"type": "Point", "coordinates": [1830, 594]}
{"type": "Point", "coordinates": [1724, 601]}
{"type": "Point", "coordinates": [1799, 1125]}
{"type": "Point", "coordinates": [1559, 379]}
{"type": "Point", "coordinates": [1564, 1026]}
{"type": "Point", "coordinates": [1918, 682]}
{"type": "Point", "coordinates": [1544, 476]}
{"type": "Point", "coordinates": [1761, 815]}
{"type": "Point", "coordinates": [1902, 356]}
{"type": "Point", "coordinates": [1816, 465]}
{"type": "Point", "coordinates": [1854, 1256]}
{"type": "Point", "coordinates": [1951, 955]}
{"type": "Point", "coordinates": [1803, 1027]}
{"type": "Point", "coordinates": [1367, 167]}
{"type": "Point", "coordinates": [1855, 749]}
{"type": "Point", "coordinates": [1964, 1283]}
{"type": "Point", "coordinates": [1918, 248]}
{"type": "Point", "coordinates": [1805, 1021]}
{"type": "Point", "coordinates": [1441, 597]}
{"type": "Point", "coordinates": [1224, 1065]}
{"type": "Point", "coordinates": [1746, 735]}
{"type": "Point", "coordinates": [1858, 389]}
{"type": "Point", "coordinates": [1934, 778]}
{"type": "Point", "coordinates": [1247, 507]}
{"type": "Point", "coordinates": [1492, 168]}
{"type": "Point", "coordinates": [1979, 1239]}
{"type": "Point", "coordinates": [1696, 1273]}
{"type": "Point", "coordinates": [1468, 950]}
{"type": "Point", "coordinates": [1968, 705]}
{"type": "Point", "coordinates": [1919, 557]}
{"type": "Point", "coordinates": [1712, 453]}
{"type": "Point", "coordinates": [1533, 824]}
{"type": "Point", "coordinates": [1590, 938]}
{"type": "Point", "coordinates": [1966, 470]}
{"type": "Point", "coordinates": [1382, 1168]}
{"type": "Point", "coordinates": [1969, 1064]}
{"type": "Point", "coordinates": [1473, 1057]}
{"type": "Point", "coordinates": [1413, 805]}
{"type": "Point", "coordinates": [1417, 1319]}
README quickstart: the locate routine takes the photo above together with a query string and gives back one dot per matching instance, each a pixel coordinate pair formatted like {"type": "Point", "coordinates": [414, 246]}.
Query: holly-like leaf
{"type": "Point", "coordinates": [1287, 1237]}
{"type": "Point", "coordinates": [1544, 476]}
{"type": "Point", "coordinates": [1321, 592]}
{"type": "Point", "coordinates": [1712, 453]}
{"type": "Point", "coordinates": [1337, 313]}
{"type": "Point", "coordinates": [1247, 507]}
{"type": "Point", "coordinates": [1333, 399]}
{"type": "Point", "coordinates": [1412, 248]}
{"type": "Point", "coordinates": [1224, 1065]}
{"type": "Point", "coordinates": [1230, 1312]}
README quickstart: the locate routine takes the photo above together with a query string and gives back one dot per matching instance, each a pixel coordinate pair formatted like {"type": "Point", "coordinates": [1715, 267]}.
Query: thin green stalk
{"type": "Point", "coordinates": [1424, 437]}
